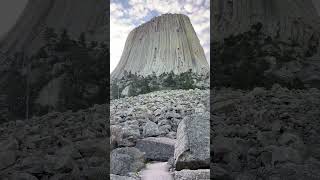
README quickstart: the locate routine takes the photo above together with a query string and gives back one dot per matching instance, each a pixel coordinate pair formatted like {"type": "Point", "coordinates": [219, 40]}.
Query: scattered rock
{"type": "Point", "coordinates": [279, 138]}
{"type": "Point", "coordinates": [65, 145]}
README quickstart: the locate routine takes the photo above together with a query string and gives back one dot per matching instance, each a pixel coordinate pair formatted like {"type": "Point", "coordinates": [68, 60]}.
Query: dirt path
{"type": "Point", "coordinates": [156, 171]}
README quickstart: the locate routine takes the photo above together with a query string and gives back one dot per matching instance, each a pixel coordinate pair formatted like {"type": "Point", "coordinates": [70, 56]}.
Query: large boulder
{"type": "Point", "coordinates": [157, 149]}
{"type": "Point", "coordinates": [185, 174]}
{"type": "Point", "coordinates": [8, 154]}
{"type": "Point", "coordinates": [192, 149]}
{"type": "Point", "coordinates": [92, 147]}
{"type": "Point", "coordinates": [126, 160]}
{"type": "Point", "coordinates": [125, 91]}
{"type": "Point", "coordinates": [150, 129]}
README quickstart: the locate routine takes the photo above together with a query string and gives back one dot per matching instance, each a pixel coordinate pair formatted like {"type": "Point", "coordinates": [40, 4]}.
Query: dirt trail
{"type": "Point", "coordinates": [156, 171]}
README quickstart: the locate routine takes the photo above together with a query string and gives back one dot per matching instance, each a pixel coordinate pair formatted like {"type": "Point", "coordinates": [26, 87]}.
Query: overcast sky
{"type": "Point", "coordinates": [9, 13]}
{"type": "Point", "coordinates": [128, 14]}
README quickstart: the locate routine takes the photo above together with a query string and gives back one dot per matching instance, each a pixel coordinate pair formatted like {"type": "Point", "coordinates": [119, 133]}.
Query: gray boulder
{"type": "Point", "coordinates": [150, 129]}
{"type": "Point", "coordinates": [129, 135]}
{"type": "Point", "coordinates": [126, 160]}
{"type": "Point", "coordinates": [92, 147]}
{"type": "Point", "coordinates": [64, 164]}
{"type": "Point", "coordinates": [116, 135]}
{"type": "Point", "coordinates": [7, 158]}
{"type": "Point", "coordinates": [192, 149]}
{"type": "Point", "coordinates": [157, 149]}
{"type": "Point", "coordinates": [201, 174]}
{"type": "Point", "coordinates": [125, 91]}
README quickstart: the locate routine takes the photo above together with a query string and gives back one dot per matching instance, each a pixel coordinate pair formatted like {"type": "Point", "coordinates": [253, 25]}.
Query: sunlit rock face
{"type": "Point", "coordinates": [76, 16]}
{"type": "Point", "coordinates": [296, 20]}
{"type": "Point", "coordinates": [164, 44]}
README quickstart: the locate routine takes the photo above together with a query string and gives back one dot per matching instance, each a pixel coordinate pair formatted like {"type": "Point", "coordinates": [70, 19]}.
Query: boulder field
{"type": "Point", "coordinates": [265, 134]}
{"type": "Point", "coordinates": [69, 145]}
{"type": "Point", "coordinates": [167, 126]}
{"type": "Point", "coordinates": [255, 134]}
{"type": "Point", "coordinates": [75, 145]}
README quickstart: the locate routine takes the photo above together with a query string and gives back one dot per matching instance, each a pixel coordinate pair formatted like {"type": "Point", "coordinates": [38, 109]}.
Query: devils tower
{"type": "Point", "coordinates": [163, 44]}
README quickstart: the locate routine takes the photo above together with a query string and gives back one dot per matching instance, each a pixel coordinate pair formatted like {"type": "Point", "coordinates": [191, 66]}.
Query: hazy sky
{"type": "Point", "coordinates": [128, 14]}
{"type": "Point", "coordinates": [9, 13]}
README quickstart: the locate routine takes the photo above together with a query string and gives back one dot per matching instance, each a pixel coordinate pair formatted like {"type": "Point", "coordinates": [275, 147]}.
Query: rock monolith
{"type": "Point", "coordinates": [163, 44]}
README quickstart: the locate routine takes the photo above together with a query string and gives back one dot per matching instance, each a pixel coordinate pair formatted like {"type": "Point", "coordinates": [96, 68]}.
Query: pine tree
{"type": "Point", "coordinates": [82, 39]}
{"type": "Point", "coordinates": [49, 35]}
{"type": "Point", "coordinates": [169, 80]}
{"type": "Point", "coordinates": [65, 42]}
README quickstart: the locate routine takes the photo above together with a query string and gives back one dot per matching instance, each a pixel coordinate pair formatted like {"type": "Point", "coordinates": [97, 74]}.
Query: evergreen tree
{"type": "Point", "coordinates": [185, 80]}
{"type": "Point", "coordinates": [42, 53]}
{"type": "Point", "coordinates": [82, 39]}
{"type": "Point", "coordinates": [65, 42]}
{"type": "Point", "coordinates": [49, 35]}
{"type": "Point", "coordinates": [169, 80]}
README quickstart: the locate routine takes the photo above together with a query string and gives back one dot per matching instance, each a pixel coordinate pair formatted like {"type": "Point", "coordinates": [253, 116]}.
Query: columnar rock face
{"type": "Point", "coordinates": [164, 44]}
{"type": "Point", "coordinates": [297, 20]}
{"type": "Point", "coordinates": [76, 16]}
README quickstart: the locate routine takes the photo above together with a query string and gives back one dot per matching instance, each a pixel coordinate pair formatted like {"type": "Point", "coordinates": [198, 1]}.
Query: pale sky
{"type": "Point", "coordinates": [125, 15]}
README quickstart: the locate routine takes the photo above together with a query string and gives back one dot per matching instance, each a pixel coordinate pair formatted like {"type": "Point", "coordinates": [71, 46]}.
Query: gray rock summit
{"type": "Point", "coordinates": [164, 44]}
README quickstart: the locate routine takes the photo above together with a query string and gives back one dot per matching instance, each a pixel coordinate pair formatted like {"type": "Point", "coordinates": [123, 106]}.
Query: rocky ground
{"type": "Point", "coordinates": [74, 145]}
{"type": "Point", "coordinates": [257, 134]}
{"type": "Point", "coordinates": [57, 146]}
{"type": "Point", "coordinates": [168, 126]}
{"type": "Point", "coordinates": [265, 134]}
